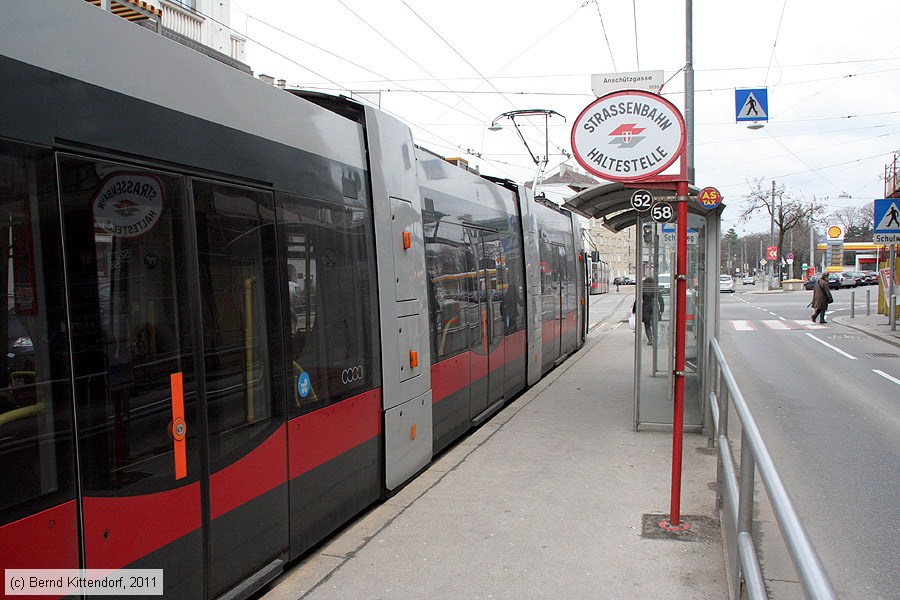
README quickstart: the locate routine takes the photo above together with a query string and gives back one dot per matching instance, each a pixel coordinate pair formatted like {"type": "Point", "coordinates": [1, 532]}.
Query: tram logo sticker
{"type": "Point", "coordinates": [628, 135]}
{"type": "Point", "coordinates": [128, 204]}
{"type": "Point", "coordinates": [304, 385]}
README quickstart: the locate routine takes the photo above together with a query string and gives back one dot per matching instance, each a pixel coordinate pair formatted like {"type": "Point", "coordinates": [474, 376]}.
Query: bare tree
{"type": "Point", "coordinates": [786, 211]}
{"type": "Point", "coordinates": [857, 222]}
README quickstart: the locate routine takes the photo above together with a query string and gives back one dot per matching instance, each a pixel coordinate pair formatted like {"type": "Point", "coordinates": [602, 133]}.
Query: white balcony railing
{"type": "Point", "coordinates": [183, 21]}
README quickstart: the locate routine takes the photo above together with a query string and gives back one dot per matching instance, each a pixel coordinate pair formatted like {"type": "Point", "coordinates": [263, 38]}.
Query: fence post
{"type": "Point", "coordinates": [745, 495]}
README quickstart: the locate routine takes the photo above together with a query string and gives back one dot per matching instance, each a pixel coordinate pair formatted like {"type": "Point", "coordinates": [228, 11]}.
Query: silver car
{"type": "Point", "coordinates": [726, 283]}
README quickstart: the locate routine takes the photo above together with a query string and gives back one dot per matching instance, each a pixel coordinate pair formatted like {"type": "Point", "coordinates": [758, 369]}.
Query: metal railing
{"type": "Point", "coordinates": [734, 495]}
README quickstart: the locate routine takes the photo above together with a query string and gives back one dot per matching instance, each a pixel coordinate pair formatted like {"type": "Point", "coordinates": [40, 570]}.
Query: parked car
{"type": "Point", "coordinates": [849, 279]}
{"type": "Point", "coordinates": [748, 280]}
{"type": "Point", "coordinates": [811, 283]}
{"type": "Point", "coordinates": [871, 277]}
{"type": "Point", "coordinates": [726, 283]}
{"type": "Point", "coordinates": [664, 282]}
{"type": "Point", "coordinates": [836, 280]}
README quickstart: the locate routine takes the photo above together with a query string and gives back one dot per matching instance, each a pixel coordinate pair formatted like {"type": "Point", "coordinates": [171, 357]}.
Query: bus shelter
{"type": "Point", "coordinates": [654, 304]}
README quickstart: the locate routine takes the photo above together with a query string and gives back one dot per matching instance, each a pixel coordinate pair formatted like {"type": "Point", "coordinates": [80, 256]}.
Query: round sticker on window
{"type": "Point", "coordinates": [304, 385]}
{"type": "Point", "coordinates": [128, 204]}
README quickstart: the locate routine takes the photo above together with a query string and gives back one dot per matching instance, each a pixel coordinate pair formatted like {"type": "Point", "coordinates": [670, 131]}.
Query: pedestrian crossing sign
{"type": "Point", "coordinates": [887, 221]}
{"type": "Point", "coordinates": [751, 104]}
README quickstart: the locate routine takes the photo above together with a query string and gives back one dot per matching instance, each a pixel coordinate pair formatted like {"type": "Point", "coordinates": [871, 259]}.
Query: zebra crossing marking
{"type": "Point", "coordinates": [773, 325]}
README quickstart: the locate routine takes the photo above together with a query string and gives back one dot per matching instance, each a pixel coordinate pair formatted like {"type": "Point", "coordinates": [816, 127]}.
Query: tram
{"type": "Point", "coordinates": [599, 275]}
{"type": "Point", "coordinates": [232, 326]}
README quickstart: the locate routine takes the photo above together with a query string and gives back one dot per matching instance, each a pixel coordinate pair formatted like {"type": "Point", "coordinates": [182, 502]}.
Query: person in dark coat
{"type": "Point", "coordinates": [651, 299]}
{"type": "Point", "coordinates": [821, 298]}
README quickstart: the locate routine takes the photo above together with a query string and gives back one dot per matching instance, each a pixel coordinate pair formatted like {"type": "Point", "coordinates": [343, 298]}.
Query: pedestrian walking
{"type": "Point", "coordinates": [651, 300]}
{"type": "Point", "coordinates": [821, 298]}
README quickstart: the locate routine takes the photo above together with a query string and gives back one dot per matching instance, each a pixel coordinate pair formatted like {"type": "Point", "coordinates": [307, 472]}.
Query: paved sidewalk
{"type": "Point", "coordinates": [555, 497]}
{"type": "Point", "coordinates": [873, 325]}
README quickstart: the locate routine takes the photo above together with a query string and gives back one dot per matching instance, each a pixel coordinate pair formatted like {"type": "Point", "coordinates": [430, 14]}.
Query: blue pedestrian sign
{"type": "Point", "coordinates": [887, 221]}
{"type": "Point", "coordinates": [751, 104]}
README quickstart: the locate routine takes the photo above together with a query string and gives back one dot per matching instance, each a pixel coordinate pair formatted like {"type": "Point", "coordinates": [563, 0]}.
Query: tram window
{"type": "Point", "coordinates": [329, 249]}
{"type": "Point", "coordinates": [128, 295]}
{"type": "Point", "coordinates": [451, 287]}
{"type": "Point", "coordinates": [36, 461]}
{"type": "Point", "coordinates": [514, 298]}
{"type": "Point", "coordinates": [235, 240]}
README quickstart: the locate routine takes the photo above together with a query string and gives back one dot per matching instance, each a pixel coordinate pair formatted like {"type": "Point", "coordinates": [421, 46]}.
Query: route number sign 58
{"type": "Point", "coordinates": [662, 212]}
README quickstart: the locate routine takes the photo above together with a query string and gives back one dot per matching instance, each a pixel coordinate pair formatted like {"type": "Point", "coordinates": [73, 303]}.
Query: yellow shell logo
{"type": "Point", "coordinates": [834, 231]}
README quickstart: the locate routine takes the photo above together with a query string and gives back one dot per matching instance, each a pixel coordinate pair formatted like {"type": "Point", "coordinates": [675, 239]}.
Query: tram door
{"type": "Point", "coordinates": [171, 361]}
{"type": "Point", "coordinates": [134, 368]}
{"type": "Point", "coordinates": [553, 265]}
{"type": "Point", "coordinates": [486, 326]}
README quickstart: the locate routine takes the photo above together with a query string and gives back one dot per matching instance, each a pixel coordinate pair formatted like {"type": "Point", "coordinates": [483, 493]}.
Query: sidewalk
{"type": "Point", "coordinates": [873, 325]}
{"type": "Point", "coordinates": [555, 497]}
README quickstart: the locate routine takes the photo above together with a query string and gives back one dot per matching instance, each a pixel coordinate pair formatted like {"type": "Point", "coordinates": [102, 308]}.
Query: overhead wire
{"type": "Point", "coordinates": [606, 37]}
{"type": "Point", "coordinates": [637, 54]}
{"type": "Point", "coordinates": [488, 80]}
{"type": "Point", "coordinates": [410, 58]}
{"type": "Point", "coordinates": [775, 43]}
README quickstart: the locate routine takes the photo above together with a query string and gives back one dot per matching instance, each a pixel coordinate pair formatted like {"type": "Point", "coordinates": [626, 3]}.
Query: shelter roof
{"type": "Point", "coordinates": [611, 203]}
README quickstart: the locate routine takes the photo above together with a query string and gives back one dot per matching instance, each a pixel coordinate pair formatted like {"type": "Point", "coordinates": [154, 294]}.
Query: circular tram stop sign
{"type": "Point", "coordinates": [629, 135]}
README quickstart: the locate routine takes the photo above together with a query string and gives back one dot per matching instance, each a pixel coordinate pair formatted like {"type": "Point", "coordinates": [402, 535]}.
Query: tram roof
{"type": "Point", "coordinates": [611, 203]}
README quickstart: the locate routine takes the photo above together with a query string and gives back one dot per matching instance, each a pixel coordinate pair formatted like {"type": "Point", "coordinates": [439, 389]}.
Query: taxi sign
{"type": "Point", "coordinates": [709, 198]}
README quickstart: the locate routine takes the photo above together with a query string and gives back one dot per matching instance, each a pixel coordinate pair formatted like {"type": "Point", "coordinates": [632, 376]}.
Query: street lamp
{"type": "Point", "coordinates": [540, 162]}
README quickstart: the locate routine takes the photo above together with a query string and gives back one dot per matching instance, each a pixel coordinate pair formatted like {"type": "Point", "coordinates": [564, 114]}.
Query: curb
{"type": "Point", "coordinates": [894, 340]}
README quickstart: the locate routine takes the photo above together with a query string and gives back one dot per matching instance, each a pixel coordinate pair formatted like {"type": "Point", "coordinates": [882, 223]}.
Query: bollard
{"type": "Point", "coordinates": [893, 309]}
{"type": "Point", "coordinates": [868, 293]}
{"type": "Point", "coordinates": [852, 304]}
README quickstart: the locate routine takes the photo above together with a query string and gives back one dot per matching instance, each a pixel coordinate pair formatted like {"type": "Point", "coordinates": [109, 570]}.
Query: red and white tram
{"type": "Point", "coordinates": [232, 325]}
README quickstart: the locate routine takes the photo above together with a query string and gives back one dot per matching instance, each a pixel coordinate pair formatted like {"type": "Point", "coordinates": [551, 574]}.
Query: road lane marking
{"type": "Point", "coordinates": [838, 350]}
{"type": "Point", "coordinates": [742, 326]}
{"type": "Point", "coordinates": [886, 376]}
{"type": "Point", "coordinates": [776, 325]}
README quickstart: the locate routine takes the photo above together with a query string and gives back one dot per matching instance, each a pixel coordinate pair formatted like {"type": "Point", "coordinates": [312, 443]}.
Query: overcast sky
{"type": "Point", "coordinates": [447, 69]}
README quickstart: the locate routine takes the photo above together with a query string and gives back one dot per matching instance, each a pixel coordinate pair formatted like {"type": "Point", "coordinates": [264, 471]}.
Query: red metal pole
{"type": "Point", "coordinates": [680, 320]}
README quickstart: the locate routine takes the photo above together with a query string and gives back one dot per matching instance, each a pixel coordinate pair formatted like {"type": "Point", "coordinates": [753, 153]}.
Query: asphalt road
{"type": "Point", "coordinates": [828, 407]}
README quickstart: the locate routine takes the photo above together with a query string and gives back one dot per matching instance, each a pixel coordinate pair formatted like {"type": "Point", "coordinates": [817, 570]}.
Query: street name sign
{"type": "Point", "coordinates": [651, 81]}
{"type": "Point", "coordinates": [629, 135]}
{"type": "Point", "coordinates": [667, 232]}
{"type": "Point", "coordinates": [887, 221]}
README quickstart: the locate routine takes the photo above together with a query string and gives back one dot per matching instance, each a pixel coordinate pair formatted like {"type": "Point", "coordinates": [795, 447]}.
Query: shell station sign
{"type": "Point", "coordinates": [629, 135]}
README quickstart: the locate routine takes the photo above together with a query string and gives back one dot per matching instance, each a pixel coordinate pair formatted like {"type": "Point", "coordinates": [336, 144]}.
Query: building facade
{"type": "Point", "coordinates": [618, 250]}
{"type": "Point", "coordinates": [203, 25]}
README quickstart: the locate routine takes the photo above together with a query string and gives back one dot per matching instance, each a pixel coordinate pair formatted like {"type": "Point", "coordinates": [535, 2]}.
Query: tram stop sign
{"type": "Point", "coordinates": [629, 135]}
